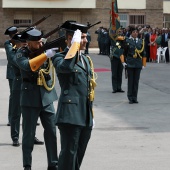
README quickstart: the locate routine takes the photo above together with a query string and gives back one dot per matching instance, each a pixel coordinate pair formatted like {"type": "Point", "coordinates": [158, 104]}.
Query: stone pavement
{"type": "Point", "coordinates": [125, 137]}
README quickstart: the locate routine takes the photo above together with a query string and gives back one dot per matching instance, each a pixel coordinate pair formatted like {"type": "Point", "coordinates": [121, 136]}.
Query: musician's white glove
{"type": "Point", "coordinates": [76, 36]}
{"type": "Point", "coordinates": [143, 67]}
{"type": "Point", "coordinates": [124, 64]}
{"type": "Point", "coordinates": [51, 52]}
{"type": "Point", "coordinates": [44, 40]}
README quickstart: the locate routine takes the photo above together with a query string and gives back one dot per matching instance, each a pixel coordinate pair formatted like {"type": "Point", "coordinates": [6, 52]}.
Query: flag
{"type": "Point", "coordinates": [114, 20]}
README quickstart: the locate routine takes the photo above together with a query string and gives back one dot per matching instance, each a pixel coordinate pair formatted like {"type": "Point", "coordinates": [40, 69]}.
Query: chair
{"type": "Point", "coordinates": [161, 54]}
{"type": "Point", "coordinates": [159, 51]}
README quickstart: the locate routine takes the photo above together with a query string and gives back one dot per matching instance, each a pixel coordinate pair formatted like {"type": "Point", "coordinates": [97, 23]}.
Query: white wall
{"type": "Point", "coordinates": [131, 4]}
{"type": "Point", "coordinates": [166, 7]}
{"type": "Point", "coordinates": [48, 3]}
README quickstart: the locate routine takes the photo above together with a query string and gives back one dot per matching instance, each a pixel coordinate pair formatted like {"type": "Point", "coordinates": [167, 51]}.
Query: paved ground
{"type": "Point", "coordinates": [126, 137]}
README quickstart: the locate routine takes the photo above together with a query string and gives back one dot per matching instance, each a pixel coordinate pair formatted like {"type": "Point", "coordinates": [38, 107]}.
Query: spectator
{"type": "Point", "coordinates": [153, 45]}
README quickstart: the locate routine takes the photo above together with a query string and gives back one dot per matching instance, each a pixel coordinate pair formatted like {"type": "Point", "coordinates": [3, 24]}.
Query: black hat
{"type": "Point", "coordinates": [17, 38]}
{"type": "Point", "coordinates": [73, 26]}
{"type": "Point", "coordinates": [32, 35]}
{"type": "Point", "coordinates": [11, 30]}
{"type": "Point", "coordinates": [66, 25]}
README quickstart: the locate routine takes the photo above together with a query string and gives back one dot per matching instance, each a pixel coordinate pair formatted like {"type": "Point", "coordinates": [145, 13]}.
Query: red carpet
{"type": "Point", "coordinates": [101, 70]}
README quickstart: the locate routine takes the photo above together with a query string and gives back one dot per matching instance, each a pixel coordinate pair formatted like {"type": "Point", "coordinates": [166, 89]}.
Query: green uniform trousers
{"type": "Point", "coordinates": [47, 116]}
{"type": "Point", "coordinates": [74, 140]}
{"type": "Point", "coordinates": [133, 82]}
{"type": "Point", "coordinates": [117, 69]}
{"type": "Point", "coordinates": [15, 115]}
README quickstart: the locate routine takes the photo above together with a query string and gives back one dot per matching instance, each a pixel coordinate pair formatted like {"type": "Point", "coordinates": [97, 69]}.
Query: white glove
{"type": "Point", "coordinates": [76, 36]}
{"type": "Point", "coordinates": [93, 124]}
{"type": "Point", "coordinates": [51, 52]}
{"type": "Point", "coordinates": [124, 64]}
{"type": "Point", "coordinates": [143, 67]}
{"type": "Point", "coordinates": [44, 40]}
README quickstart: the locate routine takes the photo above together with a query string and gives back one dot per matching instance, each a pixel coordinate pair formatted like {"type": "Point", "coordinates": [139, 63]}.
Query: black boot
{"type": "Point", "coordinates": [27, 168]}
{"type": "Point", "coordinates": [52, 168]}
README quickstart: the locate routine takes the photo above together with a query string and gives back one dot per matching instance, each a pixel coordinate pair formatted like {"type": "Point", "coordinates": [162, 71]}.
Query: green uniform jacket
{"type": "Point", "coordinates": [74, 106]}
{"type": "Point", "coordinates": [9, 71]}
{"type": "Point", "coordinates": [116, 49]}
{"type": "Point", "coordinates": [33, 95]}
{"type": "Point", "coordinates": [130, 51]}
{"type": "Point", "coordinates": [12, 60]}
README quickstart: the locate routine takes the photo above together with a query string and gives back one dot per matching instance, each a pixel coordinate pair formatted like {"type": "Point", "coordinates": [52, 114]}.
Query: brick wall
{"type": "Point", "coordinates": [154, 17]}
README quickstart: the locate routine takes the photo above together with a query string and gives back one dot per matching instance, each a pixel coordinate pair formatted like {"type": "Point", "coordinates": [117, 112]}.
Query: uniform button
{"type": "Point", "coordinates": [17, 79]}
{"type": "Point", "coordinates": [65, 91]}
{"type": "Point", "coordinates": [69, 101]}
{"type": "Point", "coordinates": [76, 70]}
{"type": "Point", "coordinates": [25, 88]}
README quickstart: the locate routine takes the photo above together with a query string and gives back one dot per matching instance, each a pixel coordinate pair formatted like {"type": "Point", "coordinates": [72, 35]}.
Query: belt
{"type": "Point", "coordinates": [34, 80]}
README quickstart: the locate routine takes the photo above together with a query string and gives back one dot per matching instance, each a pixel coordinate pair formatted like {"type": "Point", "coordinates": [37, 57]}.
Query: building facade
{"type": "Point", "coordinates": [136, 12]}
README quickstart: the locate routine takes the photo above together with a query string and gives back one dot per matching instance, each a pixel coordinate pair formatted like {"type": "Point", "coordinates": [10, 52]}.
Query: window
{"type": "Point", "coordinates": [124, 22]}
{"type": "Point", "coordinates": [137, 20]}
{"type": "Point", "coordinates": [166, 22]}
{"type": "Point", "coordinates": [22, 19]}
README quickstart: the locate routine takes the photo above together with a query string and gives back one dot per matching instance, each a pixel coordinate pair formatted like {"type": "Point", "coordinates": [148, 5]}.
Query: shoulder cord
{"type": "Point", "coordinates": [93, 79]}
{"type": "Point", "coordinates": [93, 83]}
{"type": "Point", "coordinates": [47, 71]}
{"type": "Point", "coordinates": [137, 52]}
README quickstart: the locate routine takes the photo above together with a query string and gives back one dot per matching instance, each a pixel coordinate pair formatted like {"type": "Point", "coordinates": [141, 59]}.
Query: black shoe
{"type": "Point", "coordinates": [38, 124]}
{"type": "Point", "coordinates": [135, 101]}
{"type": "Point", "coordinates": [52, 168]}
{"type": "Point", "coordinates": [15, 143]}
{"type": "Point", "coordinates": [114, 91]}
{"type": "Point", "coordinates": [27, 168]}
{"type": "Point", "coordinates": [38, 142]}
{"type": "Point", "coordinates": [121, 91]}
{"type": "Point", "coordinates": [130, 102]}
{"type": "Point", "coordinates": [8, 124]}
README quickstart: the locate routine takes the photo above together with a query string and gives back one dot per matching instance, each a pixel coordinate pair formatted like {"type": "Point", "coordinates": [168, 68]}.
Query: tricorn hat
{"type": "Point", "coordinates": [32, 35]}
{"type": "Point", "coordinates": [17, 38]}
{"type": "Point", "coordinates": [73, 26]}
{"type": "Point", "coordinates": [11, 30]}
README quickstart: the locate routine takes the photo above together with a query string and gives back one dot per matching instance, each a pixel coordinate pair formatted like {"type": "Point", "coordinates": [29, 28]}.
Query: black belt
{"type": "Point", "coordinates": [34, 80]}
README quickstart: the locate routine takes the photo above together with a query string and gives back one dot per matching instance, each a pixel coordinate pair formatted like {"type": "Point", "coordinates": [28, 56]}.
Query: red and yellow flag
{"type": "Point", "coordinates": [114, 20]}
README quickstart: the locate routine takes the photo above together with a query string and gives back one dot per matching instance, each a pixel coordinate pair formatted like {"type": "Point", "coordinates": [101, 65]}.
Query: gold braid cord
{"type": "Point", "coordinates": [41, 80]}
{"type": "Point", "coordinates": [93, 78]}
{"type": "Point", "coordinates": [137, 52]}
{"type": "Point", "coordinates": [93, 83]}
